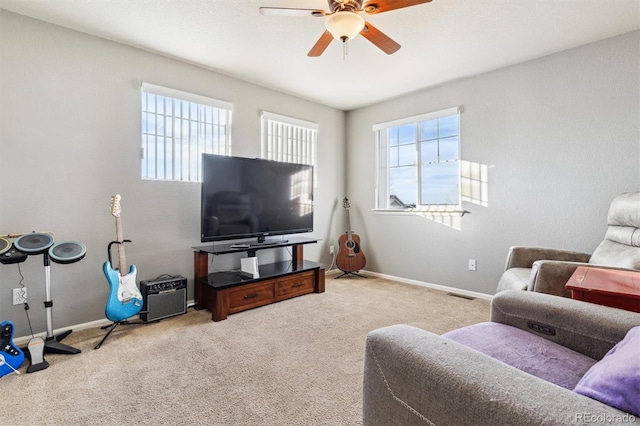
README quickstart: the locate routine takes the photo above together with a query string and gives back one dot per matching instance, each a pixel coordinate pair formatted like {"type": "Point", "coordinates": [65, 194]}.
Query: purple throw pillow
{"type": "Point", "coordinates": [615, 379]}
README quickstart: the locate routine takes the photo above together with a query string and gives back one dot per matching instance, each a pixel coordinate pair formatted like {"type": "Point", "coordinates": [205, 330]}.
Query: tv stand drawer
{"type": "Point", "coordinates": [295, 286]}
{"type": "Point", "coordinates": [250, 296]}
{"type": "Point", "coordinates": [225, 293]}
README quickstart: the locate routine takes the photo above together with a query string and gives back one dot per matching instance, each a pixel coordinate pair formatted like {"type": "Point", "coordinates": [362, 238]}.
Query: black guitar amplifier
{"type": "Point", "coordinates": [163, 298]}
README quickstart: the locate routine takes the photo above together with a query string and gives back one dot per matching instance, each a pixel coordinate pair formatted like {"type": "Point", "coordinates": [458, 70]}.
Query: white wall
{"type": "Point", "coordinates": [561, 137]}
{"type": "Point", "coordinates": [70, 138]}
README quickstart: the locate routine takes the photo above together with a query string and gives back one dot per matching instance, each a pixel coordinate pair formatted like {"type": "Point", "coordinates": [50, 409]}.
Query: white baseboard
{"type": "Point", "coordinates": [425, 284]}
{"type": "Point", "coordinates": [24, 340]}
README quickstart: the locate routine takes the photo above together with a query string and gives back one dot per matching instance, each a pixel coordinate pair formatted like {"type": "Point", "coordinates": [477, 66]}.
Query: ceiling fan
{"type": "Point", "coordinates": [343, 22]}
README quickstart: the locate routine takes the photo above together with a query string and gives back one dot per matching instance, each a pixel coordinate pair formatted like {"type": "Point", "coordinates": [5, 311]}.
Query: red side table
{"type": "Point", "coordinates": [609, 287]}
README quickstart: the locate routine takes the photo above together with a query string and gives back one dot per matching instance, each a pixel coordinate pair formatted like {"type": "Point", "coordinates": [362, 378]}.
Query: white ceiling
{"type": "Point", "coordinates": [441, 41]}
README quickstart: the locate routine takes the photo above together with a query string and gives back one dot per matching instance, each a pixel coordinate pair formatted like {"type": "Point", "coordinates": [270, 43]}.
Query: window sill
{"type": "Point", "coordinates": [435, 211]}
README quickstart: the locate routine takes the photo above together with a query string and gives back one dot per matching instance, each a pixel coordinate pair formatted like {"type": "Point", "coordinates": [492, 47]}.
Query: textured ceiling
{"type": "Point", "coordinates": [441, 41]}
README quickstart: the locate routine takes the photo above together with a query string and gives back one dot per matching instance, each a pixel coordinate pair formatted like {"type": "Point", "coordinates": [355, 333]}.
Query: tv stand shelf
{"type": "Point", "coordinates": [228, 292]}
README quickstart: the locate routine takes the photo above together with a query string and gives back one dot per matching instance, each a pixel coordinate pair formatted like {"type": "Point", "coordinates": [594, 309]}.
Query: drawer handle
{"type": "Point", "coordinates": [251, 296]}
{"type": "Point", "coordinates": [298, 285]}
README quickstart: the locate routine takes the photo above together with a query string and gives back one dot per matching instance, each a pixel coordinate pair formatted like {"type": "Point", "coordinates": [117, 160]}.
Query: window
{"type": "Point", "coordinates": [288, 139]}
{"type": "Point", "coordinates": [419, 162]}
{"type": "Point", "coordinates": [177, 128]}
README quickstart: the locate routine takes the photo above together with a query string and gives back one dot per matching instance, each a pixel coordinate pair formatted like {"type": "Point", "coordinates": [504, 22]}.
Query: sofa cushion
{"type": "Point", "coordinates": [611, 253]}
{"type": "Point", "coordinates": [615, 379]}
{"type": "Point", "coordinates": [525, 351]}
{"type": "Point", "coordinates": [621, 245]}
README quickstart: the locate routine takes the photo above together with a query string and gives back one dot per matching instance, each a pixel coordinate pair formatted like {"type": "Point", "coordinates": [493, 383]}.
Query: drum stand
{"type": "Point", "coordinates": [52, 343]}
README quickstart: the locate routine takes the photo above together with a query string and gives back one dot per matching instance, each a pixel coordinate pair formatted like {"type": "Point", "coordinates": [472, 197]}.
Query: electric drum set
{"type": "Point", "coordinates": [37, 243]}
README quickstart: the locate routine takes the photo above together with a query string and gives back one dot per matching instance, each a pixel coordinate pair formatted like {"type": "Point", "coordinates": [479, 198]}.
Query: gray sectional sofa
{"type": "Point", "coordinates": [467, 377]}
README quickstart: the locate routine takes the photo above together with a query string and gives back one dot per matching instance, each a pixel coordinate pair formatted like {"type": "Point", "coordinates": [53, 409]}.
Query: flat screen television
{"type": "Point", "coordinates": [250, 197]}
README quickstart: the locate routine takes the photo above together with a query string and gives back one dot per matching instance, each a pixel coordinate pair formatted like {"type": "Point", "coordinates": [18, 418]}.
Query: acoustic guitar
{"type": "Point", "coordinates": [350, 256]}
{"type": "Point", "coordinates": [125, 299]}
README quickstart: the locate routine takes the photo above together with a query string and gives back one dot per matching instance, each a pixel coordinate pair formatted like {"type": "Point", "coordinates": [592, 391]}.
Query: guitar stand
{"type": "Point", "coordinates": [114, 324]}
{"type": "Point", "coordinates": [112, 327]}
{"type": "Point", "coordinates": [344, 273]}
{"type": "Point", "coordinates": [109, 248]}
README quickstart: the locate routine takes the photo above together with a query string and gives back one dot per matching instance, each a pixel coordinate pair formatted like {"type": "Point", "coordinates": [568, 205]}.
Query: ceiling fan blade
{"type": "Point", "coordinates": [321, 44]}
{"type": "Point", "coordinates": [379, 6]}
{"type": "Point", "coordinates": [287, 11]}
{"type": "Point", "coordinates": [377, 37]}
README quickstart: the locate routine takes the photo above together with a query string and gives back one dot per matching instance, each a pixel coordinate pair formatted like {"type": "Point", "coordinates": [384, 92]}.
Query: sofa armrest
{"type": "Point", "coordinates": [523, 257]}
{"type": "Point", "coordinates": [583, 327]}
{"type": "Point", "coordinates": [551, 276]}
{"type": "Point", "coordinates": [414, 377]}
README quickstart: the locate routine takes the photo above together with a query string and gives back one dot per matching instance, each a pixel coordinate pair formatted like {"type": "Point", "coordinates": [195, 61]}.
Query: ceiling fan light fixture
{"type": "Point", "coordinates": [344, 25]}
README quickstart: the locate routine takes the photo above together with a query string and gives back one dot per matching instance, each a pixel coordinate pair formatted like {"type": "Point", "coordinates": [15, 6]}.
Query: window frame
{"type": "Point", "coordinates": [183, 168]}
{"type": "Point", "coordinates": [383, 145]}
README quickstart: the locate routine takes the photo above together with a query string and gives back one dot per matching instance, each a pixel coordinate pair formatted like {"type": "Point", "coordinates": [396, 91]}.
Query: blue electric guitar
{"type": "Point", "coordinates": [11, 357]}
{"type": "Point", "coordinates": [125, 299]}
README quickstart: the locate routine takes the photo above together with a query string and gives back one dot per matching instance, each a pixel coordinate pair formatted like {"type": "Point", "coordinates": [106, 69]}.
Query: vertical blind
{"type": "Point", "coordinates": [177, 128]}
{"type": "Point", "coordinates": [288, 139]}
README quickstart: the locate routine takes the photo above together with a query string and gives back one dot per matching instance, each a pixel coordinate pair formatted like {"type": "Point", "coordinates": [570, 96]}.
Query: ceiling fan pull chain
{"type": "Point", "coordinates": [345, 48]}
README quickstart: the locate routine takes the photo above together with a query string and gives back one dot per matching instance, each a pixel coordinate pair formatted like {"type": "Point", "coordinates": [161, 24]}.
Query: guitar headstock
{"type": "Point", "coordinates": [345, 203]}
{"type": "Point", "coordinates": [115, 205]}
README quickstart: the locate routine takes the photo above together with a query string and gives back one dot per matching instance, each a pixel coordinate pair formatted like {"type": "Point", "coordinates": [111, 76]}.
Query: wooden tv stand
{"type": "Point", "coordinates": [228, 292]}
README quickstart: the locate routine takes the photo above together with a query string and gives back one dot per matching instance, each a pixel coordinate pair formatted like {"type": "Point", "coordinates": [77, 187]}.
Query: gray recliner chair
{"type": "Point", "coordinates": [541, 360]}
{"type": "Point", "coordinates": [548, 270]}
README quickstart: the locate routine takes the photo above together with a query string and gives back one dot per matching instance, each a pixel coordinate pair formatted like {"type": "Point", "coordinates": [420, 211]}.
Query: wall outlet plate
{"type": "Point", "coordinates": [472, 264]}
{"type": "Point", "coordinates": [19, 296]}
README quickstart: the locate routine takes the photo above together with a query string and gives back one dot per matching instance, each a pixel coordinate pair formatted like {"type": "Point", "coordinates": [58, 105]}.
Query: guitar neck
{"type": "Point", "coordinates": [122, 260]}
{"type": "Point", "coordinates": [349, 232]}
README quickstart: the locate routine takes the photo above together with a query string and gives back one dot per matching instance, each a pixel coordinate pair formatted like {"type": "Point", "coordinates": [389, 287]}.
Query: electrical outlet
{"type": "Point", "coordinates": [19, 295]}
{"type": "Point", "coordinates": [331, 250]}
{"type": "Point", "coordinates": [472, 264]}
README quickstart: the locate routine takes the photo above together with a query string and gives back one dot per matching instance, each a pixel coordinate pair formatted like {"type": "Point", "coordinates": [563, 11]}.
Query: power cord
{"type": "Point", "coordinates": [333, 261]}
{"type": "Point", "coordinates": [23, 294]}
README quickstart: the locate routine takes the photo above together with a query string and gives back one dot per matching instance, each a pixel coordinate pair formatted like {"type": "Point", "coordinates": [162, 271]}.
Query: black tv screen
{"type": "Point", "coordinates": [249, 197]}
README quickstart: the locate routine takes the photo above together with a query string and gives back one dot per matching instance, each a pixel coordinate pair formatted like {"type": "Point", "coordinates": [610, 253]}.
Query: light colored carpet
{"type": "Point", "coordinates": [291, 363]}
